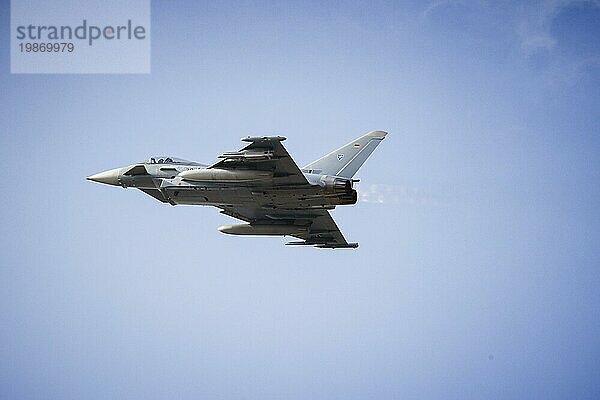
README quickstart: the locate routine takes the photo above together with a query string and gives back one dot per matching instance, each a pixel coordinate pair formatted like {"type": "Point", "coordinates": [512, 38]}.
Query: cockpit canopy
{"type": "Point", "coordinates": [166, 160]}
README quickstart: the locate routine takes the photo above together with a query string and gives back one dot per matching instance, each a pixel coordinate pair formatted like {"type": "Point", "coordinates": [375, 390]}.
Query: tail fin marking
{"type": "Point", "coordinates": [347, 160]}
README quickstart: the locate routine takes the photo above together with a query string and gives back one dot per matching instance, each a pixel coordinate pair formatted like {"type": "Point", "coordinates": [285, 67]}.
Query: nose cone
{"type": "Point", "coordinates": [110, 177]}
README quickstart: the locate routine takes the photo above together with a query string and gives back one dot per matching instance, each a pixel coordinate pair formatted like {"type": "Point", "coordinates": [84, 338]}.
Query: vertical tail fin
{"type": "Point", "coordinates": [346, 160]}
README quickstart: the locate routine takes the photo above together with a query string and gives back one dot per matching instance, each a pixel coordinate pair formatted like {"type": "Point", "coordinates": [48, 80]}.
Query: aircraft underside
{"type": "Point", "coordinates": [257, 196]}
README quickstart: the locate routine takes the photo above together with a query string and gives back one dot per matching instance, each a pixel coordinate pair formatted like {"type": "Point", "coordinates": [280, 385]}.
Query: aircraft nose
{"type": "Point", "coordinates": [110, 177]}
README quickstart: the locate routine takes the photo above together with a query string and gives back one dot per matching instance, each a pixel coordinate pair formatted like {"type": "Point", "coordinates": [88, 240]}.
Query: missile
{"type": "Point", "coordinates": [248, 156]}
{"type": "Point", "coordinates": [252, 139]}
{"type": "Point", "coordinates": [324, 245]}
{"type": "Point", "coordinates": [263, 229]}
{"type": "Point", "coordinates": [224, 175]}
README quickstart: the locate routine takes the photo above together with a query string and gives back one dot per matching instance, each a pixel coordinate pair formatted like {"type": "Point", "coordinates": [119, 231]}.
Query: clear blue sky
{"type": "Point", "coordinates": [478, 270]}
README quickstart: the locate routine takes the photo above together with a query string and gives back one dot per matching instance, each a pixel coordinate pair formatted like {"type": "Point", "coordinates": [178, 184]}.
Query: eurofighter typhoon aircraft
{"type": "Point", "coordinates": [261, 185]}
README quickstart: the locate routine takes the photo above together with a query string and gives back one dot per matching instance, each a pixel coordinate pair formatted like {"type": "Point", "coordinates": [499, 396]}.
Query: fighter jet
{"type": "Point", "coordinates": [261, 185]}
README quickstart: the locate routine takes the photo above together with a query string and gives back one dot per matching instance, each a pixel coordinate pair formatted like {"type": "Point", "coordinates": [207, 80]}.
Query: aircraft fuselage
{"type": "Point", "coordinates": [195, 184]}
